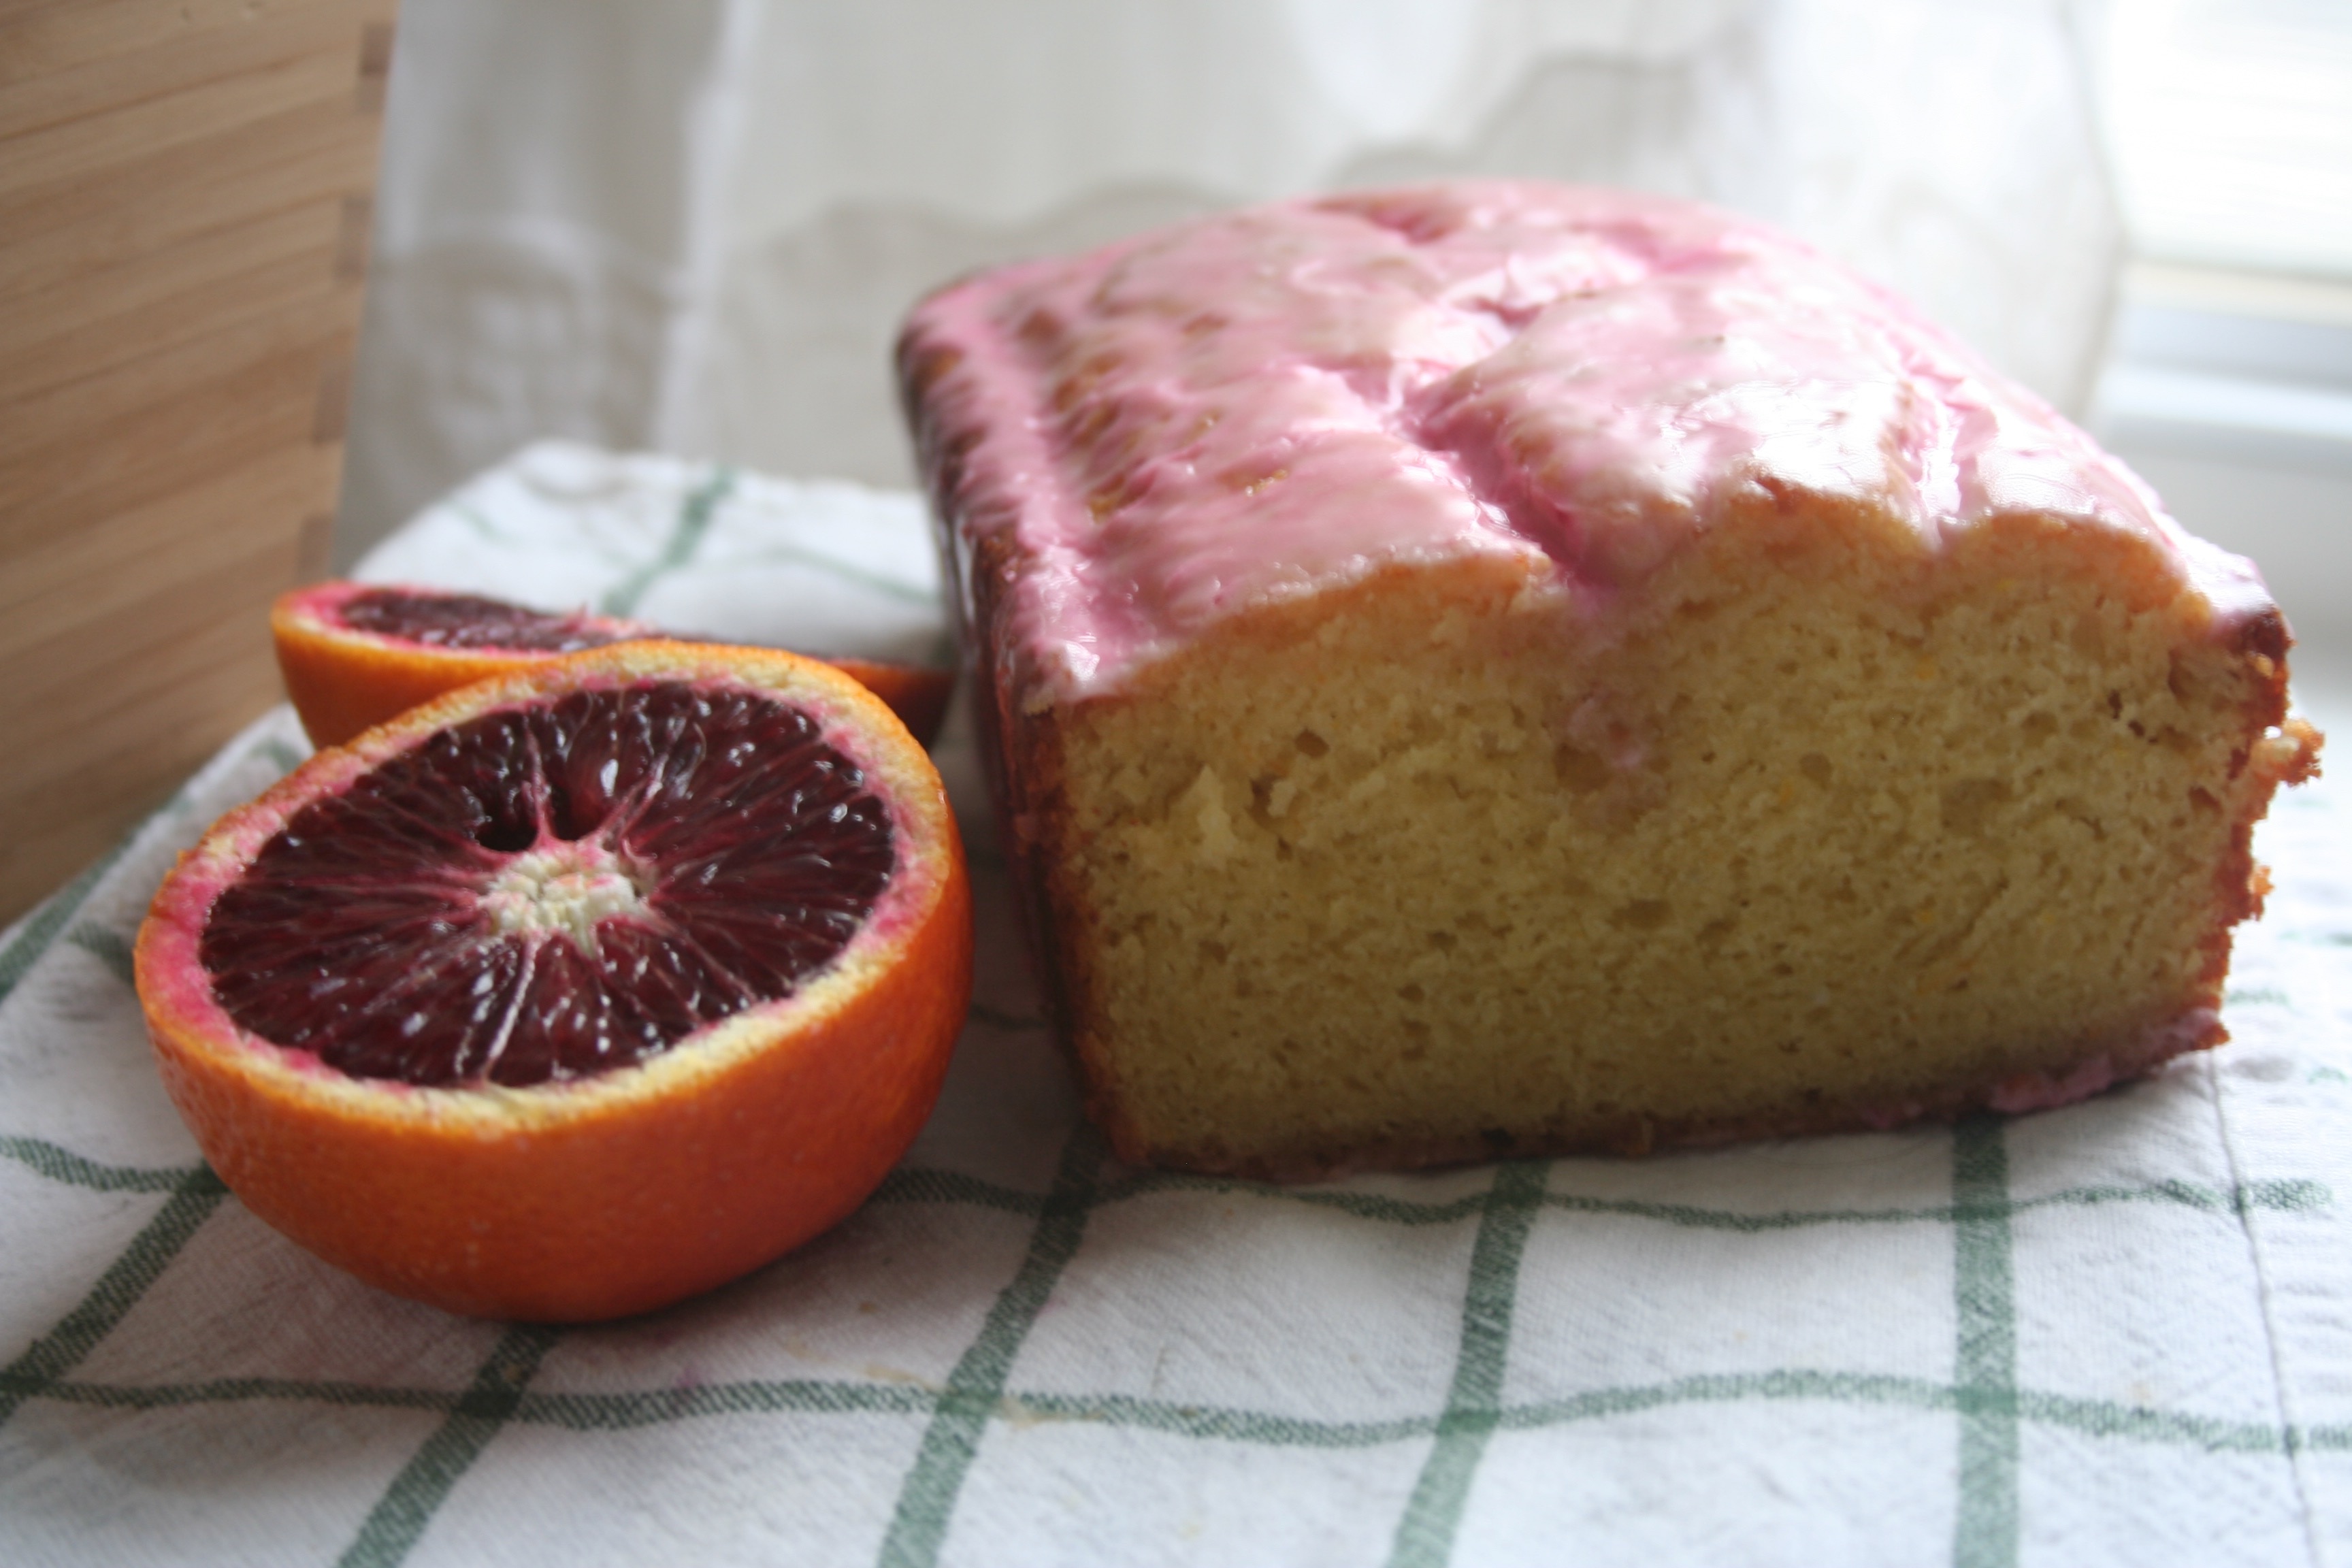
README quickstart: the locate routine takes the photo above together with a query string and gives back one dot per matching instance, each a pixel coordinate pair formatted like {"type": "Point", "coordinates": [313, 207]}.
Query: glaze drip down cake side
{"type": "Point", "coordinates": [1499, 668]}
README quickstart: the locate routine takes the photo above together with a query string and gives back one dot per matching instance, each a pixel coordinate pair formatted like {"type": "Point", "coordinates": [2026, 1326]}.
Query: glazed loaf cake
{"type": "Point", "coordinates": [1497, 668]}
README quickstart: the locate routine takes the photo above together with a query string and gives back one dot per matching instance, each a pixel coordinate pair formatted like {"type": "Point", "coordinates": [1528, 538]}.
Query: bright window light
{"type": "Point", "coordinates": [2232, 126]}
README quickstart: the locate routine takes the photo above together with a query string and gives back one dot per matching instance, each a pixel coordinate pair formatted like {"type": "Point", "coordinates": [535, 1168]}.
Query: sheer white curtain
{"type": "Point", "coordinates": [695, 226]}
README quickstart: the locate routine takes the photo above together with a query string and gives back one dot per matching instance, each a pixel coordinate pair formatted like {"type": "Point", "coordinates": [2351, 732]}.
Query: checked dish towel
{"type": "Point", "coordinates": [2118, 1333]}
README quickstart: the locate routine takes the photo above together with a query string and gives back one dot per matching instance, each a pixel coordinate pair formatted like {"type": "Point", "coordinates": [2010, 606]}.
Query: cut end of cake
{"type": "Point", "coordinates": [1827, 828]}
{"type": "Point", "coordinates": [1495, 669]}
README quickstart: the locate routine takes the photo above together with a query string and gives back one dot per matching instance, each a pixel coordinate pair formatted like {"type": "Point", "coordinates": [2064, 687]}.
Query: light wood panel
{"type": "Point", "coordinates": [184, 194]}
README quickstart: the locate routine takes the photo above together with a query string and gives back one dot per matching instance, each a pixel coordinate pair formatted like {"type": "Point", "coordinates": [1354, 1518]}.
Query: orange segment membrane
{"type": "Point", "coordinates": [505, 903]}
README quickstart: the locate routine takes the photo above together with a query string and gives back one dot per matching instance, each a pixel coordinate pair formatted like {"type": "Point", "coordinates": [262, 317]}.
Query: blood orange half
{"type": "Point", "coordinates": [356, 653]}
{"type": "Point", "coordinates": [570, 994]}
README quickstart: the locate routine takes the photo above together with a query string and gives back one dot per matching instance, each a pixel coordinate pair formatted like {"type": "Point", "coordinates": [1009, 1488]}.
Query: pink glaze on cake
{"type": "Point", "coordinates": [1328, 387]}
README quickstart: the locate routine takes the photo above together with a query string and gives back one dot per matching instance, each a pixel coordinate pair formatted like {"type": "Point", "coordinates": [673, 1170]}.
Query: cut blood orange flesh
{"type": "Point", "coordinates": [356, 653]}
{"type": "Point", "coordinates": [569, 994]}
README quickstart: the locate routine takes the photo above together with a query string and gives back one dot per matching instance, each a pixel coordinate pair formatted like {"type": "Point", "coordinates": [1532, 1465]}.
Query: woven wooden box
{"type": "Point", "coordinates": [185, 203]}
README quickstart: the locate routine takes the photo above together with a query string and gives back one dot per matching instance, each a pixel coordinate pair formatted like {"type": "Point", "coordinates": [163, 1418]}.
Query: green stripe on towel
{"type": "Point", "coordinates": [1424, 1537]}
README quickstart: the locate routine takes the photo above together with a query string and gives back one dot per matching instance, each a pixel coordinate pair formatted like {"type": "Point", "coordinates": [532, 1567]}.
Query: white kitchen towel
{"type": "Point", "coordinates": [2116, 1334]}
